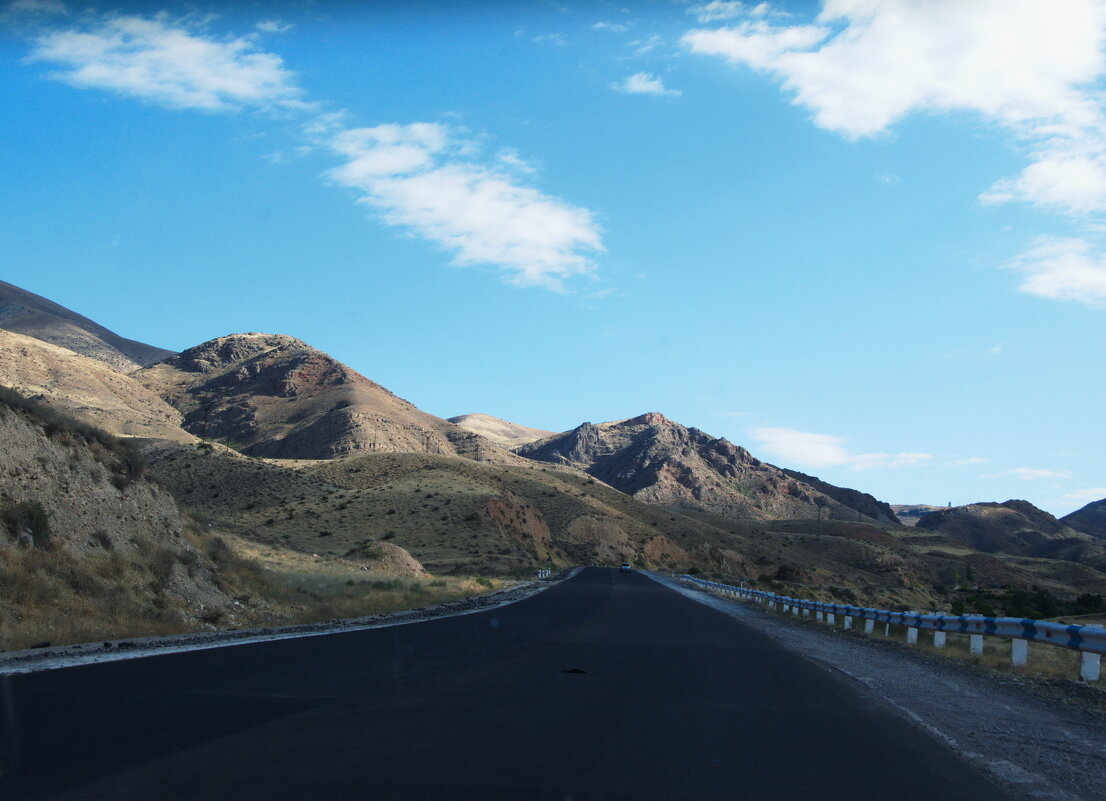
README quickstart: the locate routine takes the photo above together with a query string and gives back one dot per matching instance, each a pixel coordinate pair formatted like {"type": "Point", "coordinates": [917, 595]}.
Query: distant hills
{"type": "Point", "coordinates": [659, 461]}
{"type": "Point", "coordinates": [26, 313]}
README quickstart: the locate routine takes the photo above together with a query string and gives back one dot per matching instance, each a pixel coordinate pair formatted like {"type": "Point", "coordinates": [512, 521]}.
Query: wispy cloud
{"type": "Point", "coordinates": [165, 63]}
{"type": "Point", "coordinates": [717, 10]}
{"type": "Point", "coordinates": [612, 27]}
{"type": "Point", "coordinates": [555, 39]}
{"type": "Point", "coordinates": [273, 26]}
{"type": "Point", "coordinates": [1088, 495]}
{"type": "Point", "coordinates": [1029, 474]}
{"type": "Point", "coordinates": [643, 83]}
{"type": "Point", "coordinates": [1062, 269]}
{"type": "Point", "coordinates": [970, 460]}
{"type": "Point", "coordinates": [824, 450]}
{"type": "Point", "coordinates": [423, 177]}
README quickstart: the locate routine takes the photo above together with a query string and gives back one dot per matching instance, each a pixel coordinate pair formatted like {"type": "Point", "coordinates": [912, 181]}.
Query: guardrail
{"type": "Point", "coordinates": [1090, 641]}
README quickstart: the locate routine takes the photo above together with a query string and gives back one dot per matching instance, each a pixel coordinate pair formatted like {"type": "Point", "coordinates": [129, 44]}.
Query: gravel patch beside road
{"type": "Point", "coordinates": [31, 660]}
{"type": "Point", "coordinates": [1034, 739]}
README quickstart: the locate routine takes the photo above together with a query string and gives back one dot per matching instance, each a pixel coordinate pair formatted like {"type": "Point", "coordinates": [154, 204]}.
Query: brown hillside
{"type": "Point", "coordinates": [501, 432]}
{"type": "Point", "coordinates": [87, 389]}
{"type": "Point", "coordinates": [456, 515]}
{"type": "Point", "coordinates": [274, 396]}
{"type": "Point", "coordinates": [1091, 519]}
{"type": "Point", "coordinates": [27, 313]}
{"type": "Point", "coordinates": [1014, 527]}
{"type": "Point", "coordinates": [659, 461]}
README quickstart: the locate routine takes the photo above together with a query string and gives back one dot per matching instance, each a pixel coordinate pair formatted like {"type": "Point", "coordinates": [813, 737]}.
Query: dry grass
{"type": "Point", "coordinates": [57, 597]}
{"type": "Point", "coordinates": [303, 588]}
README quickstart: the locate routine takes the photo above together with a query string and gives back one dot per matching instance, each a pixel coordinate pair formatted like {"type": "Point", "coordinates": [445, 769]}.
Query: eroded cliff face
{"type": "Point", "coordinates": [273, 396]}
{"type": "Point", "coordinates": [87, 539]}
{"type": "Point", "coordinates": [659, 461]}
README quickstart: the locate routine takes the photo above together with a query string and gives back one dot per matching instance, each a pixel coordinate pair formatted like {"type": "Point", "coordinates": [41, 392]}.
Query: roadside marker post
{"type": "Point", "coordinates": [1090, 667]}
{"type": "Point", "coordinates": [911, 636]}
{"type": "Point", "coordinates": [1019, 652]}
{"type": "Point", "coordinates": [938, 639]}
{"type": "Point", "coordinates": [976, 644]}
{"type": "Point", "coordinates": [869, 626]}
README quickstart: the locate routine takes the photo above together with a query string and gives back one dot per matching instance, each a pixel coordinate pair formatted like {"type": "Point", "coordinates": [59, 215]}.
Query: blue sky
{"type": "Point", "coordinates": [863, 239]}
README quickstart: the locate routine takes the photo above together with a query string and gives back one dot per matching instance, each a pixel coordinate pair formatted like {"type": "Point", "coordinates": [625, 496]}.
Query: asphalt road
{"type": "Point", "coordinates": [606, 686]}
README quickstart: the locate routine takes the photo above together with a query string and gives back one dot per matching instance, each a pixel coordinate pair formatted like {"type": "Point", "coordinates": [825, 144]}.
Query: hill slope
{"type": "Point", "coordinates": [274, 396]}
{"type": "Point", "coordinates": [501, 432]}
{"type": "Point", "coordinates": [86, 388]}
{"type": "Point", "coordinates": [658, 461]}
{"type": "Point", "coordinates": [1013, 527]}
{"type": "Point", "coordinates": [27, 313]}
{"type": "Point", "coordinates": [1091, 519]}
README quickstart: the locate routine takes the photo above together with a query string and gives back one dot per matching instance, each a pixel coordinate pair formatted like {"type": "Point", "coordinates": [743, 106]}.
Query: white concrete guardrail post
{"type": "Point", "coordinates": [1090, 641]}
{"type": "Point", "coordinates": [1090, 666]}
{"type": "Point", "coordinates": [1019, 652]}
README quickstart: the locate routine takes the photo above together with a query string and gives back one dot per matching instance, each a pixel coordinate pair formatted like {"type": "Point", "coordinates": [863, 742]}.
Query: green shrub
{"type": "Point", "coordinates": [32, 516]}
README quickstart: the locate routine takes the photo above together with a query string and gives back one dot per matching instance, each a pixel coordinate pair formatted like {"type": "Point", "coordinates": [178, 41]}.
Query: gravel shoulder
{"type": "Point", "coordinates": [1038, 739]}
{"type": "Point", "coordinates": [33, 660]}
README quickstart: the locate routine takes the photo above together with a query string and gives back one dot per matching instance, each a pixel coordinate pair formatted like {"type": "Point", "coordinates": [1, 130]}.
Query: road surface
{"type": "Point", "coordinates": [605, 686]}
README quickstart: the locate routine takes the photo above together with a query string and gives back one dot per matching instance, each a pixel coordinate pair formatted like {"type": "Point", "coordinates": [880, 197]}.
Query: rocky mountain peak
{"type": "Point", "coordinates": [660, 461]}
{"type": "Point", "coordinates": [225, 351]}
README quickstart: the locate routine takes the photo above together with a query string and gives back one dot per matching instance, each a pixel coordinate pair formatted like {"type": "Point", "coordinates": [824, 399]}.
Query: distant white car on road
{"type": "Point", "coordinates": [625, 568]}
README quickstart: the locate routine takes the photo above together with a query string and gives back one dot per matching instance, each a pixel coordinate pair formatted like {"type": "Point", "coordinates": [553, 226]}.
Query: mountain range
{"type": "Point", "coordinates": [278, 444]}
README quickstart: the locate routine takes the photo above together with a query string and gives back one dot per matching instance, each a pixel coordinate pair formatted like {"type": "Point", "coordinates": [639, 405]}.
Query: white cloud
{"type": "Point", "coordinates": [1028, 65]}
{"type": "Point", "coordinates": [613, 27]}
{"type": "Point", "coordinates": [555, 39]}
{"type": "Point", "coordinates": [824, 450]}
{"type": "Point", "coordinates": [996, 349]}
{"type": "Point", "coordinates": [421, 177]}
{"type": "Point", "coordinates": [1062, 269]}
{"type": "Point", "coordinates": [801, 447]}
{"type": "Point", "coordinates": [165, 63]}
{"type": "Point", "coordinates": [967, 461]}
{"type": "Point", "coordinates": [1029, 474]}
{"type": "Point", "coordinates": [1088, 495]}
{"type": "Point", "coordinates": [643, 83]}
{"type": "Point", "coordinates": [273, 26]}
{"type": "Point", "coordinates": [888, 178]}
{"type": "Point", "coordinates": [647, 45]}
{"type": "Point", "coordinates": [717, 10]}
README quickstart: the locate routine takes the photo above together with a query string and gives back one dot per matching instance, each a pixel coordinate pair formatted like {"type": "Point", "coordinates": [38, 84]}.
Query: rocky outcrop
{"type": "Point", "coordinates": [274, 396]}
{"type": "Point", "coordinates": [867, 505]}
{"type": "Point", "coordinates": [1091, 519]}
{"type": "Point", "coordinates": [26, 313]}
{"type": "Point", "coordinates": [658, 461]}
